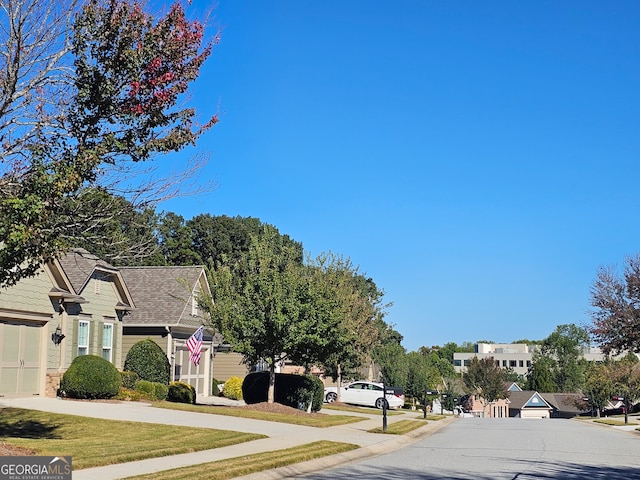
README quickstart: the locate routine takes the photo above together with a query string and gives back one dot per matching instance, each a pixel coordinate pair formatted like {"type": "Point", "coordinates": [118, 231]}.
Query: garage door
{"type": "Point", "coordinates": [19, 359]}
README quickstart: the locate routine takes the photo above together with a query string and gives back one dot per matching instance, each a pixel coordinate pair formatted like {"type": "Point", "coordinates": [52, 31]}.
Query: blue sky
{"type": "Point", "coordinates": [478, 160]}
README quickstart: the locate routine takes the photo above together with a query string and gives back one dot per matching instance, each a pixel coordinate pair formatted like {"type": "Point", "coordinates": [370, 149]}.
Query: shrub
{"type": "Point", "coordinates": [128, 394]}
{"type": "Point", "coordinates": [148, 360]}
{"type": "Point", "coordinates": [90, 376]}
{"type": "Point", "coordinates": [161, 390]}
{"type": "Point", "coordinates": [181, 392]}
{"type": "Point", "coordinates": [215, 389]}
{"type": "Point", "coordinates": [129, 379]}
{"type": "Point", "coordinates": [152, 390]}
{"type": "Point", "coordinates": [292, 390]}
{"type": "Point", "coordinates": [146, 388]}
{"type": "Point", "coordinates": [310, 389]}
{"type": "Point", "coordinates": [233, 388]}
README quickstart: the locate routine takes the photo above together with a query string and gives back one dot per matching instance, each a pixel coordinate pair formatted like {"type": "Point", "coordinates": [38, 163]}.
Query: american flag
{"type": "Point", "coordinates": [194, 344]}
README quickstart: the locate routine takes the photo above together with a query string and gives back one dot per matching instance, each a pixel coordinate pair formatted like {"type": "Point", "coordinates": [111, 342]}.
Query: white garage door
{"type": "Point", "coordinates": [540, 413]}
{"type": "Point", "coordinates": [19, 359]}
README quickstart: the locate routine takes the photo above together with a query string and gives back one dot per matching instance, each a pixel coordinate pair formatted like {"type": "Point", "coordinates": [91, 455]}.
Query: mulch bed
{"type": "Point", "coordinates": [278, 408]}
{"type": "Point", "coordinates": [13, 451]}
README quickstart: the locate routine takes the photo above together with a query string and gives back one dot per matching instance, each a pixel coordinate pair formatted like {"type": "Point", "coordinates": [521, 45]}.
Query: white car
{"type": "Point", "coordinates": [365, 393]}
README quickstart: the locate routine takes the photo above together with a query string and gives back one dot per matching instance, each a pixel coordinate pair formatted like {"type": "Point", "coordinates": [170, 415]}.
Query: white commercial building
{"type": "Point", "coordinates": [517, 356]}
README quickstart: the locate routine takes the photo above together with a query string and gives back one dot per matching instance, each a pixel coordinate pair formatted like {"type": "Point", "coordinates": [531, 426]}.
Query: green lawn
{"type": "Point", "coordinates": [95, 442]}
{"type": "Point", "coordinates": [309, 420]}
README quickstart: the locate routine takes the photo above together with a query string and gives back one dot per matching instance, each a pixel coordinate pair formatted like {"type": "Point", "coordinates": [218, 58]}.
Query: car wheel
{"type": "Point", "coordinates": [331, 397]}
{"type": "Point", "coordinates": [381, 402]}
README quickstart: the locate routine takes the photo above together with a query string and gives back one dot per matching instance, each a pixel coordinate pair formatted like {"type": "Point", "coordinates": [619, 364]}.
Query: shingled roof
{"type": "Point", "coordinates": [79, 267]}
{"type": "Point", "coordinates": [568, 403]}
{"type": "Point", "coordinates": [527, 399]}
{"type": "Point", "coordinates": [163, 294]}
{"type": "Point", "coordinates": [79, 264]}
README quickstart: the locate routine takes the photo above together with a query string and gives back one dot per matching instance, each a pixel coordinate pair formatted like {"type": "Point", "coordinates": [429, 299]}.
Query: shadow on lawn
{"type": "Point", "coordinates": [26, 429]}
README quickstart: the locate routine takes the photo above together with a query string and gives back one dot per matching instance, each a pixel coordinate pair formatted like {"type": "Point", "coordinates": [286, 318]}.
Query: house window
{"type": "Point", "coordinates": [521, 363]}
{"type": "Point", "coordinates": [457, 363]}
{"type": "Point", "coordinates": [512, 363]}
{"type": "Point", "coordinates": [528, 363]}
{"type": "Point", "coordinates": [497, 363]}
{"type": "Point", "coordinates": [83, 337]}
{"type": "Point", "coordinates": [504, 363]}
{"type": "Point", "coordinates": [467, 363]}
{"type": "Point", "coordinates": [107, 341]}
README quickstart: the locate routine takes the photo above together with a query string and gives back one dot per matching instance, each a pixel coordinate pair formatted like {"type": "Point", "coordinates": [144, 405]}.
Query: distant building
{"type": "Point", "coordinates": [517, 356]}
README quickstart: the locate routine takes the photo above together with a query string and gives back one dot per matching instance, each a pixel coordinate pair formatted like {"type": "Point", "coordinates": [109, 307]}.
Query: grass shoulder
{"type": "Point", "coordinates": [345, 407]}
{"type": "Point", "coordinates": [400, 427]}
{"type": "Point", "coordinates": [248, 464]}
{"type": "Point", "coordinates": [613, 422]}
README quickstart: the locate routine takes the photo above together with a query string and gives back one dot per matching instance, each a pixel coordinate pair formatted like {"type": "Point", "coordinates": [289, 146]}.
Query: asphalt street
{"type": "Point", "coordinates": [495, 449]}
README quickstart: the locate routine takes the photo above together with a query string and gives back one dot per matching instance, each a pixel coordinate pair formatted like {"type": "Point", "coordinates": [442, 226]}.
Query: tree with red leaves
{"type": "Point", "coordinates": [85, 88]}
{"type": "Point", "coordinates": [616, 317]}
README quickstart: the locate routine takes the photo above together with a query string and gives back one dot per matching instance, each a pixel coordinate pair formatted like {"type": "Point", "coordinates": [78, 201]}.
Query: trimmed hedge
{"type": "Point", "coordinates": [129, 379]}
{"type": "Point", "coordinates": [90, 376]}
{"type": "Point", "coordinates": [152, 390]}
{"type": "Point", "coordinates": [290, 389]}
{"type": "Point", "coordinates": [181, 392]}
{"type": "Point", "coordinates": [148, 360]}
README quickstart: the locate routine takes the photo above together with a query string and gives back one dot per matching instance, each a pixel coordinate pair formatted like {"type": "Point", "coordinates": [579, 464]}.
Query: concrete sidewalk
{"type": "Point", "coordinates": [280, 435]}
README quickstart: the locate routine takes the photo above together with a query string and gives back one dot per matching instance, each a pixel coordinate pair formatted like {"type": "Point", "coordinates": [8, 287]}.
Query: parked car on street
{"type": "Point", "coordinates": [365, 393]}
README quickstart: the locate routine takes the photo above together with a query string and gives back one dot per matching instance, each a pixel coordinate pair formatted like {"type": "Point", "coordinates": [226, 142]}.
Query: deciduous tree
{"type": "Point", "coordinates": [616, 314]}
{"type": "Point", "coordinates": [256, 305]}
{"type": "Point", "coordinates": [84, 88]}
{"type": "Point", "coordinates": [484, 377]}
{"type": "Point", "coordinates": [563, 349]}
{"type": "Point", "coordinates": [347, 307]}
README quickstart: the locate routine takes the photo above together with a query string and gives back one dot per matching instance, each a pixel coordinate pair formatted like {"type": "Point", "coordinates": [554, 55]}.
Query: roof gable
{"type": "Point", "coordinates": [165, 295]}
{"type": "Point", "coordinates": [527, 399]}
{"type": "Point", "coordinates": [79, 266]}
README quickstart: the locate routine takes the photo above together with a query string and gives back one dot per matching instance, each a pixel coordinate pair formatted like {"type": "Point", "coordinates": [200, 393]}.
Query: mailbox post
{"type": "Point", "coordinates": [384, 406]}
{"type": "Point", "coordinates": [427, 392]}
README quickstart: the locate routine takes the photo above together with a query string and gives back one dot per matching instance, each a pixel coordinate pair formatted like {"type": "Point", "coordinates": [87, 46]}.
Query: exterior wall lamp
{"type": "Point", "coordinates": [57, 336]}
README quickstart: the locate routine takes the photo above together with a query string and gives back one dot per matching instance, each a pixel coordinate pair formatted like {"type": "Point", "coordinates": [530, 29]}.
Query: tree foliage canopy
{"type": "Point", "coordinates": [558, 366]}
{"type": "Point", "coordinates": [348, 305]}
{"type": "Point", "coordinates": [84, 88]}
{"type": "Point", "coordinates": [616, 314]}
{"type": "Point", "coordinates": [272, 308]}
{"type": "Point", "coordinates": [485, 378]}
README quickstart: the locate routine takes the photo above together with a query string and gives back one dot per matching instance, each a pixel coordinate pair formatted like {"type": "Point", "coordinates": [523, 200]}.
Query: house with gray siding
{"type": "Point", "coordinates": [167, 312]}
{"type": "Point", "coordinates": [72, 306]}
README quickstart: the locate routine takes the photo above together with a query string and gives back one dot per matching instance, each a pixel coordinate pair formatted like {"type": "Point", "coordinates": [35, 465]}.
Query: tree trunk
{"type": "Point", "coordinates": [339, 382]}
{"type": "Point", "coordinates": [272, 383]}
